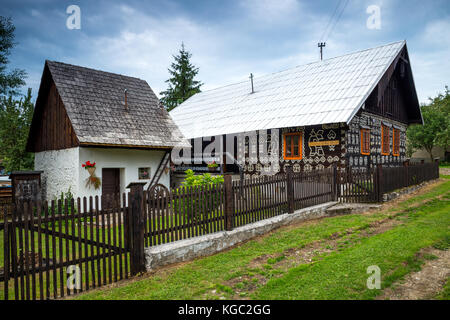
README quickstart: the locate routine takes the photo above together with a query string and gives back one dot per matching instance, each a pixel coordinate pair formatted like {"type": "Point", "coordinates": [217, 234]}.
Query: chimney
{"type": "Point", "coordinates": [251, 79]}
{"type": "Point", "coordinates": [126, 103]}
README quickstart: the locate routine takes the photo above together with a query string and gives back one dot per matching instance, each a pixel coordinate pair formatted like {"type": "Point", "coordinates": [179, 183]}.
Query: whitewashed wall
{"type": "Point", "coordinates": [128, 160]}
{"type": "Point", "coordinates": [62, 168]}
{"type": "Point", "coordinates": [61, 171]}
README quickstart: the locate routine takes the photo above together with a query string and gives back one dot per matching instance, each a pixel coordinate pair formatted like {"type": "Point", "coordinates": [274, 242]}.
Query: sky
{"type": "Point", "coordinates": [228, 39]}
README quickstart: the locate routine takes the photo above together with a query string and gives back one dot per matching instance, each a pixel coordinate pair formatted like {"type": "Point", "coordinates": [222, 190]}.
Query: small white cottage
{"type": "Point", "coordinates": [84, 116]}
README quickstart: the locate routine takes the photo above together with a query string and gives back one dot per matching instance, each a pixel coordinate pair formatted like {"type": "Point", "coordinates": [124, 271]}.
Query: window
{"type": "Point", "coordinates": [365, 141]}
{"type": "Point", "coordinates": [293, 146]}
{"type": "Point", "coordinates": [385, 141]}
{"type": "Point", "coordinates": [396, 142]}
{"type": "Point", "coordinates": [144, 173]}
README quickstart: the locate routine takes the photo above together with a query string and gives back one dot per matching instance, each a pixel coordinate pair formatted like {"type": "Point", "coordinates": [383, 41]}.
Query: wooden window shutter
{"type": "Point", "coordinates": [365, 141]}
{"type": "Point", "coordinates": [396, 142]}
{"type": "Point", "coordinates": [385, 141]}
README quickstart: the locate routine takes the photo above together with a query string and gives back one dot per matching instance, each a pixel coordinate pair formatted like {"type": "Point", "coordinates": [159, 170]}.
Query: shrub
{"type": "Point", "coordinates": [192, 203]}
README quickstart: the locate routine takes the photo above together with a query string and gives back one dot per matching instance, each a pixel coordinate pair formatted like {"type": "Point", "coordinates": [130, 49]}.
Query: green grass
{"type": "Point", "coordinates": [343, 274]}
{"type": "Point", "coordinates": [445, 293]}
{"type": "Point", "coordinates": [444, 164]}
{"type": "Point", "coordinates": [338, 275]}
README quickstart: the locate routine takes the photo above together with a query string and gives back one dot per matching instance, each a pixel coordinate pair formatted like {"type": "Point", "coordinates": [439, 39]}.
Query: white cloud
{"type": "Point", "coordinates": [262, 37]}
{"type": "Point", "coordinates": [429, 52]}
{"type": "Point", "coordinates": [271, 11]}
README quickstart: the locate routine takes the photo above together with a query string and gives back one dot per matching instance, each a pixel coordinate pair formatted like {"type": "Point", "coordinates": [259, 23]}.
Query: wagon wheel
{"type": "Point", "coordinates": [158, 191]}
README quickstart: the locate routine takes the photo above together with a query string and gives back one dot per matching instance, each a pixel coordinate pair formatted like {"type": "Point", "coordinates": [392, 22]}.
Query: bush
{"type": "Point", "coordinates": [200, 180]}
{"type": "Point", "coordinates": [192, 203]}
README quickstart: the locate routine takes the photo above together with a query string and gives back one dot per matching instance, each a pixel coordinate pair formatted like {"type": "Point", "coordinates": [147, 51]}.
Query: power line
{"type": "Point", "coordinates": [329, 21]}
{"type": "Point", "coordinates": [337, 20]}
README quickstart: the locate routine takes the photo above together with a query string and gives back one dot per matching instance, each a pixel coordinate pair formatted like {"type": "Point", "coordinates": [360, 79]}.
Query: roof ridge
{"type": "Point", "coordinates": [92, 69]}
{"type": "Point", "coordinates": [302, 65]}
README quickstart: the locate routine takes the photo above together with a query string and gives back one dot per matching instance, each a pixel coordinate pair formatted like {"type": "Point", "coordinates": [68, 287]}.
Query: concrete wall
{"type": "Point", "coordinates": [61, 171]}
{"type": "Point", "coordinates": [62, 168]}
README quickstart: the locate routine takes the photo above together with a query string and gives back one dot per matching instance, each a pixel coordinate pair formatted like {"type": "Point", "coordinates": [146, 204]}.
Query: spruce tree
{"type": "Point", "coordinates": [12, 80]}
{"type": "Point", "coordinates": [181, 82]}
{"type": "Point", "coordinates": [15, 121]}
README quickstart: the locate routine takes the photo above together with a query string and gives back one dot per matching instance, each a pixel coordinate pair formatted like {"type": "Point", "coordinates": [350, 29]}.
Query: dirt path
{"type": "Point", "coordinates": [424, 284]}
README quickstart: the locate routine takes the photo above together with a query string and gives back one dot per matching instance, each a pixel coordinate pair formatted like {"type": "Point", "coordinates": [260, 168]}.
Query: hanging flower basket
{"type": "Point", "coordinates": [212, 167]}
{"type": "Point", "coordinates": [92, 180]}
{"type": "Point", "coordinates": [91, 170]}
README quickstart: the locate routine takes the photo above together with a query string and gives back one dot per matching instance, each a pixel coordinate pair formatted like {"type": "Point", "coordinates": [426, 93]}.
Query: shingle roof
{"type": "Point", "coordinates": [94, 101]}
{"type": "Point", "coordinates": [327, 91]}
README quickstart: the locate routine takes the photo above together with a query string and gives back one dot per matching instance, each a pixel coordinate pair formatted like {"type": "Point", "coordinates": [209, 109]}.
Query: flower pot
{"type": "Point", "coordinates": [212, 169]}
{"type": "Point", "coordinates": [91, 170]}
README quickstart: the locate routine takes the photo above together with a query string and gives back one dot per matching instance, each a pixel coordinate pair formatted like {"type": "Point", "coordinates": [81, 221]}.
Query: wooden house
{"type": "Point", "coordinates": [352, 110]}
{"type": "Point", "coordinates": [111, 120]}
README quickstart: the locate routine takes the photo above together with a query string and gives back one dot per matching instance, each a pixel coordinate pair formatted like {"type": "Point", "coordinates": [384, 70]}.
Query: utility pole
{"type": "Point", "coordinates": [321, 45]}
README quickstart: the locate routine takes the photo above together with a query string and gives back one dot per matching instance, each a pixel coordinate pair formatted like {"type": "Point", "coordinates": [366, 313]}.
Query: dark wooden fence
{"type": "Point", "coordinates": [257, 199]}
{"type": "Point", "coordinates": [183, 213]}
{"type": "Point", "coordinates": [411, 174]}
{"type": "Point", "coordinates": [357, 186]}
{"type": "Point", "coordinates": [44, 243]}
{"type": "Point", "coordinates": [47, 245]}
{"type": "Point", "coordinates": [369, 185]}
{"type": "Point", "coordinates": [314, 187]}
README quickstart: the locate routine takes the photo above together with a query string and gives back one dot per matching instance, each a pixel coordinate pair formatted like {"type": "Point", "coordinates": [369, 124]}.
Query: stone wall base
{"type": "Point", "coordinates": [393, 195]}
{"type": "Point", "coordinates": [189, 249]}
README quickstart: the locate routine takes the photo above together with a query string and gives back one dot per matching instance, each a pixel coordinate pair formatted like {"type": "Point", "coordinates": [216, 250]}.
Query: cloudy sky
{"type": "Point", "coordinates": [228, 39]}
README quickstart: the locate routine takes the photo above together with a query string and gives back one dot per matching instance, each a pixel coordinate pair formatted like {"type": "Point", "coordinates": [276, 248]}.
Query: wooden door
{"type": "Point", "coordinates": [110, 185]}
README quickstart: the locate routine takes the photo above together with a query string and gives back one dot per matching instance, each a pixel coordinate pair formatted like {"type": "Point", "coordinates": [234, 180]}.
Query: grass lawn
{"type": "Point", "coordinates": [320, 259]}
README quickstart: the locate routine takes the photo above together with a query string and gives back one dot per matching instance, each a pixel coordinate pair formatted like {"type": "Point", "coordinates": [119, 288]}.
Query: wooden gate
{"type": "Point", "coordinates": [356, 186]}
{"type": "Point", "coordinates": [59, 248]}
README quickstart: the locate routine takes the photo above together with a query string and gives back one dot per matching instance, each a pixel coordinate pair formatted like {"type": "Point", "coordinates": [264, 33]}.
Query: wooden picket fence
{"type": "Point", "coordinates": [357, 186]}
{"type": "Point", "coordinates": [399, 177]}
{"type": "Point", "coordinates": [370, 184]}
{"type": "Point", "coordinates": [103, 239]}
{"type": "Point", "coordinates": [48, 244]}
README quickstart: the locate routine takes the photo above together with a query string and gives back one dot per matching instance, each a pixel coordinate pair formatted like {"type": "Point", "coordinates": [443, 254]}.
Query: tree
{"type": "Point", "coordinates": [15, 122]}
{"type": "Point", "coordinates": [12, 80]}
{"type": "Point", "coordinates": [435, 130]}
{"type": "Point", "coordinates": [181, 83]}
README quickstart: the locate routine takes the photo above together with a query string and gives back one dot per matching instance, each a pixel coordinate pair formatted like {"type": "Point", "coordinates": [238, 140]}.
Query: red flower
{"type": "Point", "coordinates": [88, 164]}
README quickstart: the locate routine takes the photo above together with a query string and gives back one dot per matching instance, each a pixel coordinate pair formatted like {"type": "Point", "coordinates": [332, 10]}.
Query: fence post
{"type": "Point", "coordinates": [229, 202]}
{"type": "Point", "coordinates": [335, 182]}
{"type": "Point", "coordinates": [436, 161]}
{"type": "Point", "coordinates": [290, 188]}
{"type": "Point", "coordinates": [406, 165]}
{"type": "Point", "coordinates": [137, 256]}
{"type": "Point", "coordinates": [379, 175]}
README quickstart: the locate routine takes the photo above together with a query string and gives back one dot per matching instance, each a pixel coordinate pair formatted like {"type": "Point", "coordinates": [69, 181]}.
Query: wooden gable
{"type": "Point", "coordinates": [395, 96]}
{"type": "Point", "coordinates": [51, 128]}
